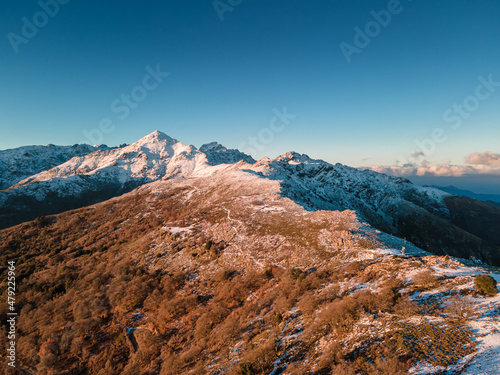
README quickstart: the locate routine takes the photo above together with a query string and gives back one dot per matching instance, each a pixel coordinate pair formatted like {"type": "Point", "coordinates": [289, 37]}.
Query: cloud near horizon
{"type": "Point", "coordinates": [484, 158]}
{"type": "Point", "coordinates": [484, 163]}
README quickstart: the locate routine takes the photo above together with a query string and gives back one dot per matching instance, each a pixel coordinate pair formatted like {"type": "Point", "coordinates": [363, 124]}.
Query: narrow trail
{"type": "Point", "coordinates": [231, 219]}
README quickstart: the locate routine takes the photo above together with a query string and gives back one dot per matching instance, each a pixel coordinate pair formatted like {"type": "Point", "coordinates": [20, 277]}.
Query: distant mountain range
{"type": "Point", "coordinates": [430, 218]}
{"type": "Point", "coordinates": [489, 198]}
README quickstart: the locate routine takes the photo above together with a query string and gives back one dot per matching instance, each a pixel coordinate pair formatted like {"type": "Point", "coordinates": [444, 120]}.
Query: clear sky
{"type": "Point", "coordinates": [356, 82]}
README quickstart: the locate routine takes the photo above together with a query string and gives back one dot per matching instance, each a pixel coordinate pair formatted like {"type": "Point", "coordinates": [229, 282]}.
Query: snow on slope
{"type": "Point", "coordinates": [150, 158]}
{"type": "Point", "coordinates": [19, 163]}
{"type": "Point", "coordinates": [314, 183]}
{"type": "Point", "coordinates": [320, 185]}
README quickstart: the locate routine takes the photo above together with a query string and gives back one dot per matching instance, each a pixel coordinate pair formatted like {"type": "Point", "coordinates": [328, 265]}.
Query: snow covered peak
{"type": "Point", "coordinates": [293, 157]}
{"type": "Point", "coordinates": [150, 158]}
{"type": "Point", "coordinates": [212, 146]}
{"type": "Point", "coordinates": [381, 200]}
{"type": "Point", "coordinates": [156, 137]}
{"type": "Point", "coordinates": [156, 142]}
{"type": "Point", "coordinates": [218, 154]}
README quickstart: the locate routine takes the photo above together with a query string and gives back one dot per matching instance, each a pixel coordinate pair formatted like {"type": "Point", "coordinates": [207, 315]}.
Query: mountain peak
{"type": "Point", "coordinates": [212, 146]}
{"type": "Point", "coordinates": [155, 141]}
{"type": "Point", "coordinates": [219, 154]}
{"type": "Point", "coordinates": [159, 136]}
{"type": "Point", "coordinates": [293, 156]}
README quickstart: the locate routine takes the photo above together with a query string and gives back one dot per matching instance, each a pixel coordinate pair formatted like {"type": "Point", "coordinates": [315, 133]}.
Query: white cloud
{"type": "Point", "coordinates": [487, 158]}
{"type": "Point", "coordinates": [485, 163]}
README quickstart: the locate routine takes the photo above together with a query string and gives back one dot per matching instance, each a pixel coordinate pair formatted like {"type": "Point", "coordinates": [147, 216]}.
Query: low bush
{"type": "Point", "coordinates": [425, 280]}
{"type": "Point", "coordinates": [459, 308]}
{"type": "Point", "coordinates": [485, 285]}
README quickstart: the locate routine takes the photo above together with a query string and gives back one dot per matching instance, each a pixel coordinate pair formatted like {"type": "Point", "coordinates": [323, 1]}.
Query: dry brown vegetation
{"type": "Point", "coordinates": [108, 290]}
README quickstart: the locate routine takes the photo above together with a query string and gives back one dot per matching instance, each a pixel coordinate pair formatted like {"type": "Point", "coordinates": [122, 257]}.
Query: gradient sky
{"type": "Point", "coordinates": [227, 77]}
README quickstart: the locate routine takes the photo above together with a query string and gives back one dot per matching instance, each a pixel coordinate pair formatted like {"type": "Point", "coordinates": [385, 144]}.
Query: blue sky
{"type": "Point", "coordinates": [228, 77]}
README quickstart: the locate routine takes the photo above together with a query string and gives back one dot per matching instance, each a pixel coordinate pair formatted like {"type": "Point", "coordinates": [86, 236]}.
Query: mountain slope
{"type": "Point", "coordinates": [224, 275]}
{"type": "Point", "coordinates": [391, 204]}
{"type": "Point", "coordinates": [479, 218]}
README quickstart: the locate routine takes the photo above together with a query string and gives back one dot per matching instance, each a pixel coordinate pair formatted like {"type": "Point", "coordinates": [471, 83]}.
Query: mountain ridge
{"type": "Point", "coordinates": [22, 162]}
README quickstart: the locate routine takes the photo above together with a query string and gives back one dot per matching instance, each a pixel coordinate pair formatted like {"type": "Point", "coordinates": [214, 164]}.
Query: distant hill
{"type": "Point", "coordinates": [489, 198]}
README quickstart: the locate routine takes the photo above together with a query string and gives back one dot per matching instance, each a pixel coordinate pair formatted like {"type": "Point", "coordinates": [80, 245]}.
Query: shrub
{"type": "Point", "coordinates": [279, 318]}
{"type": "Point", "coordinates": [297, 274]}
{"type": "Point", "coordinates": [485, 285]}
{"type": "Point", "coordinates": [245, 369]}
{"type": "Point", "coordinates": [340, 315]}
{"type": "Point", "coordinates": [388, 365]}
{"type": "Point", "coordinates": [172, 283]}
{"type": "Point", "coordinates": [260, 358]}
{"type": "Point", "coordinates": [425, 280]}
{"type": "Point", "coordinates": [48, 354]}
{"type": "Point", "coordinates": [439, 345]}
{"type": "Point", "coordinates": [459, 308]}
{"type": "Point", "coordinates": [354, 269]}
{"type": "Point", "coordinates": [308, 304]}
{"type": "Point", "coordinates": [177, 307]}
{"type": "Point", "coordinates": [406, 308]}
